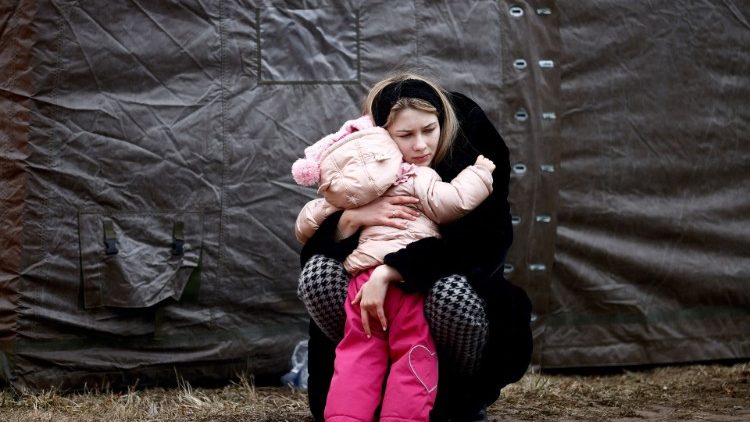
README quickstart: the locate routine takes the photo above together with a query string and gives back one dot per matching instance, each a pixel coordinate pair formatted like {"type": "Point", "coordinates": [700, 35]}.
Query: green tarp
{"type": "Point", "coordinates": [628, 125]}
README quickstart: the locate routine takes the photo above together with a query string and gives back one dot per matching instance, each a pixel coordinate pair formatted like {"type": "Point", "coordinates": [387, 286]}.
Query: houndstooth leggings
{"type": "Point", "coordinates": [455, 313]}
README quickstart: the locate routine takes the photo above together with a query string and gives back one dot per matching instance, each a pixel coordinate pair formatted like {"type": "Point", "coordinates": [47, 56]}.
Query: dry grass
{"type": "Point", "coordinates": [238, 401]}
{"type": "Point", "coordinates": [699, 392]}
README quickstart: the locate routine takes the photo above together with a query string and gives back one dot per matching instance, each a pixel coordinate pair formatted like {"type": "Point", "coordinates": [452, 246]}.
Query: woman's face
{"type": "Point", "coordinates": [416, 133]}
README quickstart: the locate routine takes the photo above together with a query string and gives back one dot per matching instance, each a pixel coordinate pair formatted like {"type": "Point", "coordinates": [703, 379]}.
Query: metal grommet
{"type": "Point", "coordinates": [508, 268]}
{"type": "Point", "coordinates": [519, 168]}
{"type": "Point", "coordinates": [546, 64]}
{"type": "Point", "coordinates": [543, 218]}
{"type": "Point", "coordinates": [537, 267]}
{"type": "Point", "coordinates": [521, 115]}
{"type": "Point", "coordinates": [515, 220]}
{"type": "Point", "coordinates": [519, 64]}
{"type": "Point", "coordinates": [516, 11]}
{"type": "Point", "coordinates": [544, 11]}
{"type": "Point", "coordinates": [547, 168]}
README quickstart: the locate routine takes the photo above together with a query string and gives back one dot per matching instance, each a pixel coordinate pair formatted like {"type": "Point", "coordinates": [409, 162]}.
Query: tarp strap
{"type": "Point", "coordinates": [109, 238]}
{"type": "Point", "coordinates": [190, 292]}
{"type": "Point", "coordinates": [178, 238]}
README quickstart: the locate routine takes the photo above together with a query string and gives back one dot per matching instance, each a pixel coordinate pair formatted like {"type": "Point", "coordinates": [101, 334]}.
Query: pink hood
{"type": "Point", "coordinates": [354, 165]}
{"type": "Point", "coordinates": [359, 168]}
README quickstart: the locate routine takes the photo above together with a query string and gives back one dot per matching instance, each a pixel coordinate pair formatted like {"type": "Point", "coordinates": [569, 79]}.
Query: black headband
{"type": "Point", "coordinates": [409, 88]}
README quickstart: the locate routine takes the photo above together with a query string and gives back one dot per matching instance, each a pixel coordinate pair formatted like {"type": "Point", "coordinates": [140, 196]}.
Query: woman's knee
{"type": "Point", "coordinates": [452, 302]}
{"type": "Point", "coordinates": [322, 278]}
{"type": "Point", "coordinates": [322, 288]}
{"type": "Point", "coordinates": [458, 322]}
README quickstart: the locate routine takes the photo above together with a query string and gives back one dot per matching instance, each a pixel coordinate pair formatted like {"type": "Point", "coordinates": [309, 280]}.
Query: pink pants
{"type": "Point", "coordinates": [362, 364]}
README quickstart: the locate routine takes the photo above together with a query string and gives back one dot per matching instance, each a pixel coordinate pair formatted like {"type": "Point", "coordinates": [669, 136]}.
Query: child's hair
{"type": "Point", "coordinates": [448, 125]}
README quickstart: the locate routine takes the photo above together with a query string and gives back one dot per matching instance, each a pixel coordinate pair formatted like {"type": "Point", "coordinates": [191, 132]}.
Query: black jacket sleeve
{"type": "Point", "coordinates": [476, 244]}
{"type": "Point", "coordinates": [324, 242]}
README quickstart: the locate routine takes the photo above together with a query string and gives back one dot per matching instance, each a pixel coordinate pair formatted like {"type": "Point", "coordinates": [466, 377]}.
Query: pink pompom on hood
{"type": "Point", "coordinates": [306, 171]}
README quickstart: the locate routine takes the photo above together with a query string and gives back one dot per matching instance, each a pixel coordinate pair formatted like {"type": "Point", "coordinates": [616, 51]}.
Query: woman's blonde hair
{"type": "Point", "coordinates": [449, 125]}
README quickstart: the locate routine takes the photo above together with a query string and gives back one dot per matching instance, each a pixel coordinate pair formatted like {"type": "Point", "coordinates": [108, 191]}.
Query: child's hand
{"type": "Point", "coordinates": [485, 163]}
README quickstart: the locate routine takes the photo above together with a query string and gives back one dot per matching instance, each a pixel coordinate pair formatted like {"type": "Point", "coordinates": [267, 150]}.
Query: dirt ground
{"type": "Point", "coordinates": [696, 392]}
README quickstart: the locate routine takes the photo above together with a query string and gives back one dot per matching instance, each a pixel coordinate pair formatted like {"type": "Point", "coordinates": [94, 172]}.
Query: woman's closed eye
{"type": "Point", "coordinates": [405, 134]}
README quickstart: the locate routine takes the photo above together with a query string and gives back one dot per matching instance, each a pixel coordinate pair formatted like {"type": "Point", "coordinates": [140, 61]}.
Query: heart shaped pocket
{"type": "Point", "coordinates": [424, 365]}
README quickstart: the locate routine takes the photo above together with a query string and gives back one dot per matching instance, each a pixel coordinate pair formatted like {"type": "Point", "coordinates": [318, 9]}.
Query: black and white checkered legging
{"type": "Point", "coordinates": [454, 311]}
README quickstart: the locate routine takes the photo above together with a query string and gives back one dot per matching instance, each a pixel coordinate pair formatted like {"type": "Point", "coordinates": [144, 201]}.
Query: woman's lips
{"type": "Point", "coordinates": [421, 158]}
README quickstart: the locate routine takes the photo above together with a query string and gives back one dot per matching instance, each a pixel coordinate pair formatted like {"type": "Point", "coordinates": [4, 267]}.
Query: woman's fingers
{"type": "Point", "coordinates": [401, 209]}
{"type": "Point", "coordinates": [398, 223]}
{"type": "Point", "coordinates": [402, 200]}
{"type": "Point", "coordinates": [396, 212]}
{"type": "Point", "coordinates": [393, 211]}
{"type": "Point", "coordinates": [365, 321]}
{"type": "Point", "coordinates": [372, 300]}
{"type": "Point", "coordinates": [381, 317]}
{"type": "Point", "coordinates": [357, 298]}
{"type": "Point", "coordinates": [376, 312]}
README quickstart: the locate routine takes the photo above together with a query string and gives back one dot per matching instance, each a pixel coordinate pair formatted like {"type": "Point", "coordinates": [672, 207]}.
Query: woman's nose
{"type": "Point", "coordinates": [420, 144]}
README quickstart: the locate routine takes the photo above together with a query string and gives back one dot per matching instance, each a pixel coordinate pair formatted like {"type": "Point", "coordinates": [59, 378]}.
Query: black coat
{"type": "Point", "coordinates": [474, 246]}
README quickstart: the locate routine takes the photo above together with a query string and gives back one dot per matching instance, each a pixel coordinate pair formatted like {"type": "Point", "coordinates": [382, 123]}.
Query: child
{"type": "Point", "coordinates": [353, 167]}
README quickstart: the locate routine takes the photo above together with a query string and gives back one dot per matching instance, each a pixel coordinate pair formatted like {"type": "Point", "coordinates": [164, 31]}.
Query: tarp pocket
{"type": "Point", "coordinates": [137, 259]}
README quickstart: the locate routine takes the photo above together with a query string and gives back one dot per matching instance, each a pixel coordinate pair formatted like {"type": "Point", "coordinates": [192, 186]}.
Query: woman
{"type": "Point", "coordinates": [479, 321]}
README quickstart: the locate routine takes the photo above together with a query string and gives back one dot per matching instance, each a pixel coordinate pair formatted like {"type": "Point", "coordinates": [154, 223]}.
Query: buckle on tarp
{"type": "Point", "coordinates": [110, 247]}
{"type": "Point", "coordinates": [178, 238]}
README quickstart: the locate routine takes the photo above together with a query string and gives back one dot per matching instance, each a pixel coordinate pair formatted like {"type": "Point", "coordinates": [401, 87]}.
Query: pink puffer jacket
{"type": "Point", "coordinates": [359, 168]}
{"type": "Point", "coordinates": [353, 174]}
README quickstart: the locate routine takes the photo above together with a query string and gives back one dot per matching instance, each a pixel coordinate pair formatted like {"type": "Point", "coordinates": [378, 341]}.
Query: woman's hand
{"type": "Point", "coordinates": [371, 296]}
{"type": "Point", "coordinates": [390, 211]}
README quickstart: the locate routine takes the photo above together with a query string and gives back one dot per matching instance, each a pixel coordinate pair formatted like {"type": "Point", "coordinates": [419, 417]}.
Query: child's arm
{"type": "Point", "coordinates": [311, 217]}
{"type": "Point", "coordinates": [446, 202]}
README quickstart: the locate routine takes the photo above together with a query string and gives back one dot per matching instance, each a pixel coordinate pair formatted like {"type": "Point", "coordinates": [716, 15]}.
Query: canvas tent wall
{"type": "Point", "coordinates": [140, 125]}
